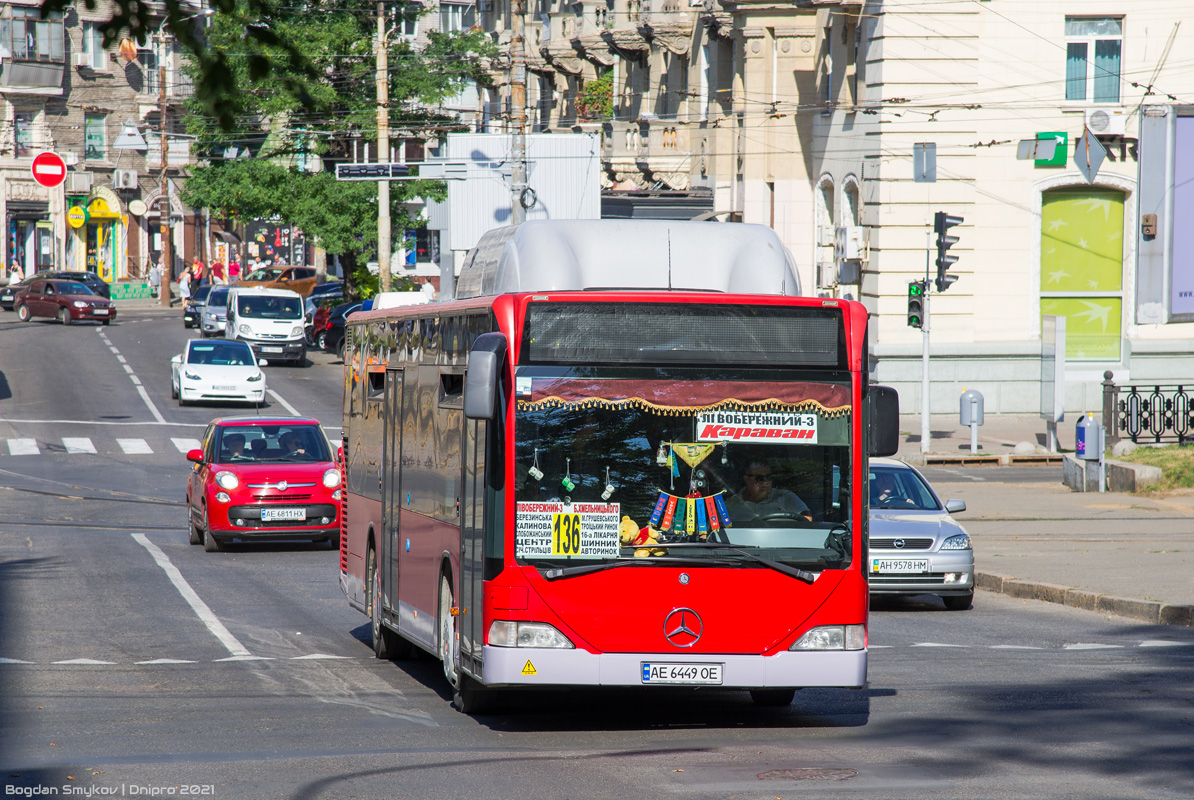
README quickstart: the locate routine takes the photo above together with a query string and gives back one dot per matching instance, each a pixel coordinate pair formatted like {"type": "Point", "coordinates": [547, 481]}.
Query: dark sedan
{"type": "Point", "coordinates": [8, 296]}
{"type": "Point", "coordinates": [192, 310]}
{"type": "Point", "coordinates": [333, 332]}
{"type": "Point", "coordinates": [66, 300]}
{"type": "Point", "coordinates": [89, 279]}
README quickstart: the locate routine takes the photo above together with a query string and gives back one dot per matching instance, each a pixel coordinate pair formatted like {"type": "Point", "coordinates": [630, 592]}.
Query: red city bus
{"type": "Point", "coordinates": [551, 482]}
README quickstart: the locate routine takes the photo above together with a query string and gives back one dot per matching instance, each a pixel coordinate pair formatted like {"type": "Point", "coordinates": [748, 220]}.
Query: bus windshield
{"type": "Point", "coordinates": [678, 467]}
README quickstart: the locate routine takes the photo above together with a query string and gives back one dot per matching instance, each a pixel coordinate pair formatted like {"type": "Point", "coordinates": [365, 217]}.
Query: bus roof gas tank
{"type": "Point", "coordinates": [579, 255]}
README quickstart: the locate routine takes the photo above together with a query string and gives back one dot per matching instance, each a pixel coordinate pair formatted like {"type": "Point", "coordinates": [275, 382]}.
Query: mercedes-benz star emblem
{"type": "Point", "coordinates": [899, 543]}
{"type": "Point", "coordinates": [683, 627]}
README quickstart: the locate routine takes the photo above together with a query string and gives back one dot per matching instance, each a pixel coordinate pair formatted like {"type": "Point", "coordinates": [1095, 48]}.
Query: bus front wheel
{"type": "Point", "coordinates": [383, 638]}
{"type": "Point", "coordinates": [448, 640]}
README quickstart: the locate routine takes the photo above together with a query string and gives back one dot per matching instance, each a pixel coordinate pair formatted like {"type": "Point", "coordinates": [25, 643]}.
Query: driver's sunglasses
{"type": "Point", "coordinates": [760, 478]}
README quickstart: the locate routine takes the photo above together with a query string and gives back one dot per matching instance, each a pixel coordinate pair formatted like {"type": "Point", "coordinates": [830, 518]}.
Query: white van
{"type": "Point", "coordinates": [269, 320]}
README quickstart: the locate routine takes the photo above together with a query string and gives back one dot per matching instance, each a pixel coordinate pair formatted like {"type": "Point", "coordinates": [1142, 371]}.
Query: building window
{"type": "Point", "coordinates": [1092, 58]}
{"type": "Point", "coordinates": [25, 36]}
{"type": "Point", "coordinates": [1082, 268]}
{"type": "Point", "coordinates": [147, 57]}
{"type": "Point", "coordinates": [93, 45]}
{"type": "Point", "coordinates": [22, 129]}
{"type": "Point", "coordinates": [94, 135]}
{"type": "Point", "coordinates": [408, 23]}
{"type": "Point", "coordinates": [454, 17]}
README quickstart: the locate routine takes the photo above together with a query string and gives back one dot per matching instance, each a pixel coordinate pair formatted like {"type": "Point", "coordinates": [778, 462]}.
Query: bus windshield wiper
{"type": "Point", "coordinates": [794, 572]}
{"type": "Point", "coordinates": [648, 561]}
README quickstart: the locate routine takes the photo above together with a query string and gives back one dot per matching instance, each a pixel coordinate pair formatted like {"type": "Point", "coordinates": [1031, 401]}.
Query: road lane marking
{"type": "Point", "coordinates": [185, 445]}
{"type": "Point", "coordinates": [285, 405]}
{"type": "Point", "coordinates": [1164, 643]}
{"type": "Point", "coordinates": [23, 447]}
{"type": "Point", "coordinates": [167, 661]}
{"type": "Point", "coordinates": [1014, 647]}
{"type": "Point", "coordinates": [245, 657]}
{"type": "Point", "coordinates": [961, 474]}
{"type": "Point", "coordinates": [84, 661]}
{"type": "Point", "coordinates": [200, 608]}
{"type": "Point", "coordinates": [316, 656]}
{"type": "Point", "coordinates": [134, 447]}
{"type": "Point", "coordinates": [13, 661]}
{"type": "Point", "coordinates": [938, 644]}
{"type": "Point", "coordinates": [80, 445]}
{"type": "Point", "coordinates": [153, 409]}
{"type": "Point", "coordinates": [1091, 646]}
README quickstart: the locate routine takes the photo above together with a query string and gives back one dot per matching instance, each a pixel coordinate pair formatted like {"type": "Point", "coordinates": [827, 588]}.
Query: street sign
{"type": "Point", "coordinates": [372, 172]}
{"type": "Point", "coordinates": [49, 169]}
{"type": "Point", "coordinates": [1089, 153]}
{"type": "Point", "coordinates": [924, 162]}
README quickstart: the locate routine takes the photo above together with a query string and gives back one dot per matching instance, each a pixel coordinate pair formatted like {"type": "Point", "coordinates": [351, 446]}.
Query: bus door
{"type": "Point", "coordinates": [472, 546]}
{"type": "Point", "coordinates": [391, 485]}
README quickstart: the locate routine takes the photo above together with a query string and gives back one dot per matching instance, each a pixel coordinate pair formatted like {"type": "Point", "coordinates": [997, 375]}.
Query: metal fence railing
{"type": "Point", "coordinates": [1148, 412]}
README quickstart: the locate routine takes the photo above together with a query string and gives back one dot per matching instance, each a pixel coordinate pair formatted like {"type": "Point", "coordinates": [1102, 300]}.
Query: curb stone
{"type": "Point", "coordinates": [1150, 611]}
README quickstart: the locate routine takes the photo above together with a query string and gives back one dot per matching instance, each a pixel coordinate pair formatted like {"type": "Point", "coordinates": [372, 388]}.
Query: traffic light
{"type": "Point", "coordinates": [941, 223]}
{"type": "Point", "coordinates": [916, 304]}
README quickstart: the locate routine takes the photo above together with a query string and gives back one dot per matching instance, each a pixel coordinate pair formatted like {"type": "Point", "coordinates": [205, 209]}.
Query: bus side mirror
{"type": "Point", "coordinates": [484, 376]}
{"type": "Point", "coordinates": [884, 421]}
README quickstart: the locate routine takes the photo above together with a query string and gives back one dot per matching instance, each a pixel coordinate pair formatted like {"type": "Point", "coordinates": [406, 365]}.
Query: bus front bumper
{"type": "Point", "coordinates": [527, 666]}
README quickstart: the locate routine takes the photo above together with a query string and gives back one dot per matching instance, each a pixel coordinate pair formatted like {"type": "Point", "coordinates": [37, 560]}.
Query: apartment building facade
{"type": "Point", "coordinates": [99, 108]}
{"type": "Point", "coordinates": [1041, 237]}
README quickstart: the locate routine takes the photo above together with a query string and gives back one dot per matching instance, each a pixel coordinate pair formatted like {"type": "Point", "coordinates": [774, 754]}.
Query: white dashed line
{"type": "Point", "coordinates": [1164, 643]}
{"type": "Point", "coordinates": [23, 447]}
{"type": "Point", "coordinates": [134, 447]}
{"type": "Point", "coordinates": [280, 399]}
{"type": "Point", "coordinates": [938, 644]}
{"type": "Point", "coordinates": [166, 661]}
{"type": "Point", "coordinates": [200, 608]}
{"type": "Point", "coordinates": [316, 657]}
{"type": "Point", "coordinates": [81, 445]}
{"type": "Point", "coordinates": [13, 661]}
{"type": "Point", "coordinates": [185, 445]}
{"type": "Point", "coordinates": [1014, 647]}
{"type": "Point", "coordinates": [85, 661]}
{"type": "Point", "coordinates": [245, 657]}
{"type": "Point", "coordinates": [1092, 646]}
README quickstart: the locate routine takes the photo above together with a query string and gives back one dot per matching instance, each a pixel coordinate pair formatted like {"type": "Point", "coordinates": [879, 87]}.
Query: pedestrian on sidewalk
{"type": "Point", "coordinates": [233, 271]}
{"type": "Point", "coordinates": [15, 273]}
{"type": "Point", "coordinates": [184, 286]}
{"type": "Point", "coordinates": [155, 280]}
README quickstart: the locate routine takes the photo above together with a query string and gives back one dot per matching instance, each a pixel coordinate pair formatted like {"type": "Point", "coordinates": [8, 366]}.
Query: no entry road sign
{"type": "Point", "coordinates": [49, 169]}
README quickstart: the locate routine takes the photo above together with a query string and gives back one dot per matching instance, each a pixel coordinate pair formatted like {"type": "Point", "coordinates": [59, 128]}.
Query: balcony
{"type": "Point", "coordinates": [31, 77]}
{"type": "Point", "coordinates": [659, 148]}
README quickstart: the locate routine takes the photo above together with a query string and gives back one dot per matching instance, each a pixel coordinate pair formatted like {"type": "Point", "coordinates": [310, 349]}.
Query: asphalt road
{"type": "Point", "coordinates": [118, 673]}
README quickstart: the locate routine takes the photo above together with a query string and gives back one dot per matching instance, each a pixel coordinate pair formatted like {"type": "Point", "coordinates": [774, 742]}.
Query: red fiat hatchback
{"type": "Point", "coordinates": [263, 478]}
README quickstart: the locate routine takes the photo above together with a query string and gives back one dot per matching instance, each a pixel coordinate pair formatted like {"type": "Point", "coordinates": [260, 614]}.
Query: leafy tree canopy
{"type": "Point", "coordinates": [284, 89]}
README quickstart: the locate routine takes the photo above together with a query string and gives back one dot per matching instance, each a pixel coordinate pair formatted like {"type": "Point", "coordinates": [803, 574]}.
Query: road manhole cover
{"type": "Point", "coordinates": [808, 774]}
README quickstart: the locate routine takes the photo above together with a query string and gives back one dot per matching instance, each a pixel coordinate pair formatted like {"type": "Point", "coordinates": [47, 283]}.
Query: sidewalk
{"type": "Point", "coordinates": [1121, 554]}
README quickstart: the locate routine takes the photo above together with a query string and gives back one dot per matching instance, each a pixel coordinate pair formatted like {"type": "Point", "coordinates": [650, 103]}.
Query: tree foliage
{"type": "Point", "coordinates": [284, 89]}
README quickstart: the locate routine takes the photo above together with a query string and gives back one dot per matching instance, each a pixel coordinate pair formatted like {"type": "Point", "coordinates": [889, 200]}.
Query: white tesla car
{"type": "Point", "coordinates": [217, 370]}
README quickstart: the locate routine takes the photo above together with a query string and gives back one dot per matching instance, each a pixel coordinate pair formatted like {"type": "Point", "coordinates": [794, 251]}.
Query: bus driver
{"type": "Point", "coordinates": [759, 498]}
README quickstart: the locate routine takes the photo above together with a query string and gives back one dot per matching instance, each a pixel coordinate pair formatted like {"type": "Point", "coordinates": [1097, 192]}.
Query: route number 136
{"type": "Point", "coordinates": [565, 534]}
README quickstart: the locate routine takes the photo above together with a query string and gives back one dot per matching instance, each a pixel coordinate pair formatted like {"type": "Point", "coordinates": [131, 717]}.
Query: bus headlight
{"type": "Point", "coordinates": [331, 478]}
{"type": "Point", "coordinates": [833, 637]}
{"type": "Point", "coordinates": [504, 633]}
{"type": "Point", "coordinates": [227, 480]}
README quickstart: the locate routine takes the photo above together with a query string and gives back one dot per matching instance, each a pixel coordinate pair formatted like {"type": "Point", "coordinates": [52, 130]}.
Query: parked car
{"type": "Point", "coordinates": [8, 295]}
{"type": "Point", "coordinates": [66, 300]}
{"type": "Point", "coordinates": [329, 289]}
{"type": "Point", "coordinates": [89, 279]}
{"type": "Point", "coordinates": [219, 370]}
{"type": "Point", "coordinates": [916, 547]}
{"type": "Point", "coordinates": [333, 331]}
{"type": "Point", "coordinates": [192, 310]}
{"type": "Point", "coordinates": [215, 312]}
{"type": "Point", "coordinates": [263, 478]}
{"type": "Point", "coordinates": [318, 309]}
{"type": "Point", "coordinates": [296, 279]}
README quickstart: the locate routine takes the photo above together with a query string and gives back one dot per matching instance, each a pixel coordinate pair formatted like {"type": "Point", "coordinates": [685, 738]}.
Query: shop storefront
{"type": "Point", "coordinates": [98, 244]}
{"type": "Point", "coordinates": [30, 235]}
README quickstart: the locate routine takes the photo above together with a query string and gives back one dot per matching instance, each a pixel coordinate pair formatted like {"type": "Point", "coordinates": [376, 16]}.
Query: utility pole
{"type": "Point", "coordinates": [167, 265]}
{"type": "Point", "coordinates": [385, 238]}
{"type": "Point", "coordinates": [518, 111]}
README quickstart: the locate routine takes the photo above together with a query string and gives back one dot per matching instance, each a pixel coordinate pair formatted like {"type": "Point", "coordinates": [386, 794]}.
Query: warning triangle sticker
{"type": "Point", "coordinates": [529, 669]}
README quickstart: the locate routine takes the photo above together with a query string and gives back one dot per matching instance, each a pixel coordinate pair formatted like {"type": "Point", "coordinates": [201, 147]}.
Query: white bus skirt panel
{"type": "Point", "coordinates": [528, 666]}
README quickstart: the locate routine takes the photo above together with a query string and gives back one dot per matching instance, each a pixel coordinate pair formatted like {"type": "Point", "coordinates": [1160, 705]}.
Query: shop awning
{"type": "Point", "coordinates": [227, 237]}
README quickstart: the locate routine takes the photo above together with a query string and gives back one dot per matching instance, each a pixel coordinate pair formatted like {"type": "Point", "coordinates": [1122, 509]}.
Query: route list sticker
{"type": "Point", "coordinates": [761, 427]}
{"type": "Point", "coordinates": [557, 530]}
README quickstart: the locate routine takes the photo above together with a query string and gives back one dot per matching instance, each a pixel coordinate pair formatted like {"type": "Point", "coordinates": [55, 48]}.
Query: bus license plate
{"type": "Point", "coordinates": [279, 514]}
{"type": "Point", "coordinates": [687, 674]}
{"type": "Point", "coordinates": [905, 566]}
